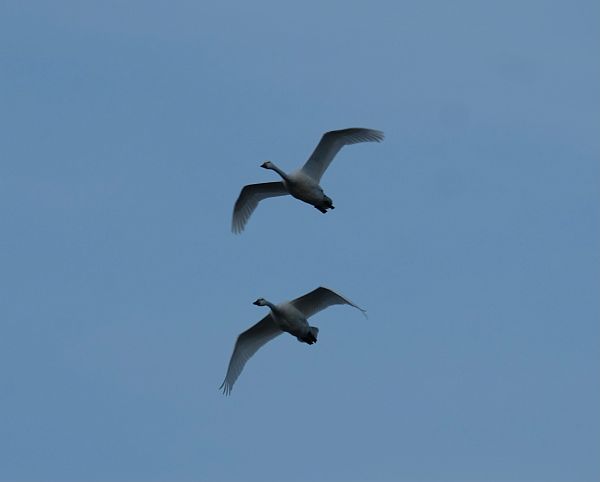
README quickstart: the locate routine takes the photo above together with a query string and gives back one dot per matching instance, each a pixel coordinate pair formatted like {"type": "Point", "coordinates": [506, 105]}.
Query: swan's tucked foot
{"type": "Point", "coordinates": [326, 204]}
{"type": "Point", "coordinates": [310, 337]}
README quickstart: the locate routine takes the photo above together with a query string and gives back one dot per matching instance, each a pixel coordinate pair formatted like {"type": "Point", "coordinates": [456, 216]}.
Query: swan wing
{"type": "Point", "coordinates": [249, 198]}
{"type": "Point", "coordinates": [331, 143]}
{"type": "Point", "coordinates": [319, 299]}
{"type": "Point", "coordinates": [246, 345]}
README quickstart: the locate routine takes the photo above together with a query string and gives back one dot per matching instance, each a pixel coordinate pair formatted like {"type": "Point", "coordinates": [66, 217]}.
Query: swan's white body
{"type": "Point", "coordinates": [304, 183]}
{"type": "Point", "coordinates": [289, 317]}
{"type": "Point", "coordinates": [303, 187]}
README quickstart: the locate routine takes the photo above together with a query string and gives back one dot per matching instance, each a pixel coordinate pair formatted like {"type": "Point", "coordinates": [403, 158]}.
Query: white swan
{"type": "Point", "coordinates": [290, 317]}
{"type": "Point", "coordinates": [304, 183]}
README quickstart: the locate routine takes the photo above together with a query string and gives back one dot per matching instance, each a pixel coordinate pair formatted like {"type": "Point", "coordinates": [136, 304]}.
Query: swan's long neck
{"type": "Point", "coordinates": [283, 175]}
{"type": "Point", "coordinates": [270, 305]}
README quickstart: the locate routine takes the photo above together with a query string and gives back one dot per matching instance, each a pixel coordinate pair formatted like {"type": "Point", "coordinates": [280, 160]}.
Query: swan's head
{"type": "Point", "coordinates": [267, 165]}
{"type": "Point", "coordinates": [260, 302]}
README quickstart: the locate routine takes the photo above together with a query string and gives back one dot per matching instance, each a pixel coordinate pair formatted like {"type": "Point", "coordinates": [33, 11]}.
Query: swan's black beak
{"type": "Point", "coordinates": [255, 303]}
{"type": "Point", "coordinates": [264, 165]}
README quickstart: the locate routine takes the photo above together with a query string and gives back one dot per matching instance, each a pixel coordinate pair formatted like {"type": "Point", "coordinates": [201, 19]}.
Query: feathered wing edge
{"type": "Point", "coordinates": [330, 144]}
{"type": "Point", "coordinates": [246, 345]}
{"type": "Point", "coordinates": [321, 298]}
{"type": "Point", "coordinates": [248, 200]}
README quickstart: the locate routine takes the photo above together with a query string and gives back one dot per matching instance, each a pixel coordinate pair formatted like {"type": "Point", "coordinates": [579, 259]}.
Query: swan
{"type": "Point", "coordinates": [303, 184]}
{"type": "Point", "coordinates": [290, 317]}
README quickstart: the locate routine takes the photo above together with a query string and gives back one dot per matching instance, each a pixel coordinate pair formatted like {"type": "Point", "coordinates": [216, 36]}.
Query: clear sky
{"type": "Point", "coordinates": [471, 236]}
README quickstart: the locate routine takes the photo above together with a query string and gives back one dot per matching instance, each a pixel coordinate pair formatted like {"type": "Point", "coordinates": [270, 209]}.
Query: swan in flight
{"type": "Point", "coordinates": [289, 317]}
{"type": "Point", "coordinates": [304, 183]}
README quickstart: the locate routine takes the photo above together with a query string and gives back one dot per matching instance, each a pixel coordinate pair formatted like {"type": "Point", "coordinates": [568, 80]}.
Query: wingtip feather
{"type": "Point", "coordinates": [225, 388]}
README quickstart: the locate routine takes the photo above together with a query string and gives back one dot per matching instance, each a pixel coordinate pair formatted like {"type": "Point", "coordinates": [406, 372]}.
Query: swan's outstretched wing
{"type": "Point", "coordinates": [249, 198]}
{"type": "Point", "coordinates": [331, 143]}
{"type": "Point", "coordinates": [246, 345]}
{"type": "Point", "coordinates": [319, 299]}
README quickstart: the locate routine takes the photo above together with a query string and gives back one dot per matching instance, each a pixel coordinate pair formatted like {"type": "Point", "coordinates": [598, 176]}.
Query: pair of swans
{"type": "Point", "coordinates": [304, 184]}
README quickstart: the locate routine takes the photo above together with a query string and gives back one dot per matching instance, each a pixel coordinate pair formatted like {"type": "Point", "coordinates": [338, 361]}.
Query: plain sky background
{"type": "Point", "coordinates": [471, 236]}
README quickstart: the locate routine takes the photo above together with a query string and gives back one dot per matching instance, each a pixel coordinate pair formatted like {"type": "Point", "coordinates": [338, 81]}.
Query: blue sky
{"type": "Point", "coordinates": [471, 235]}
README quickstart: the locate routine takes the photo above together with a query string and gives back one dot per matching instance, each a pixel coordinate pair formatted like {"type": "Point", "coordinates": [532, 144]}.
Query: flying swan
{"type": "Point", "coordinates": [290, 317]}
{"type": "Point", "coordinates": [304, 183]}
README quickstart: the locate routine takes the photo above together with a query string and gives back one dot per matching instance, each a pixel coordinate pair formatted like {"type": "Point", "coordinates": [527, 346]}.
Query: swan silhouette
{"type": "Point", "coordinates": [303, 184]}
{"type": "Point", "coordinates": [290, 317]}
